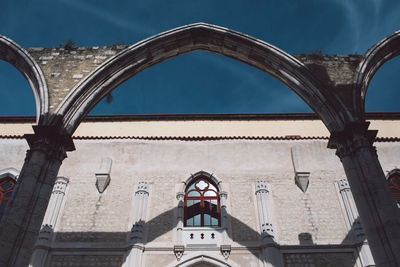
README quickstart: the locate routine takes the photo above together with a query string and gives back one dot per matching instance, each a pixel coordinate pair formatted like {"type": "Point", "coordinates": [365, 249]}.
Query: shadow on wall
{"type": "Point", "coordinates": [165, 223]}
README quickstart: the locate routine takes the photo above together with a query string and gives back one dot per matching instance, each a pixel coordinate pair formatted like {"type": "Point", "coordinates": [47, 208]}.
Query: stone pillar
{"type": "Point", "coordinates": [136, 236]}
{"type": "Point", "coordinates": [272, 257]}
{"type": "Point", "coordinates": [378, 212]}
{"type": "Point", "coordinates": [43, 242]}
{"type": "Point", "coordinates": [223, 196]}
{"type": "Point", "coordinates": [354, 224]}
{"type": "Point", "coordinates": [20, 224]}
{"type": "Point", "coordinates": [179, 247]}
{"type": "Point", "coordinates": [180, 196]}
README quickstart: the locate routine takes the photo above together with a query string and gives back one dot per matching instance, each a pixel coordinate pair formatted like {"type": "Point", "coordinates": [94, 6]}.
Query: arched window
{"type": "Point", "coordinates": [394, 185]}
{"type": "Point", "coordinates": [6, 188]}
{"type": "Point", "coordinates": [202, 207]}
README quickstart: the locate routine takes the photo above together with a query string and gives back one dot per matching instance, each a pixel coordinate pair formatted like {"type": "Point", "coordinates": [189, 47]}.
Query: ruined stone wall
{"type": "Point", "coordinates": [63, 67]}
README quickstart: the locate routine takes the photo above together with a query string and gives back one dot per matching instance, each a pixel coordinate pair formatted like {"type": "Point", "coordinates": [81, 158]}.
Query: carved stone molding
{"type": "Point", "coordinates": [180, 196]}
{"type": "Point", "coordinates": [302, 179]}
{"type": "Point", "coordinates": [103, 175]}
{"type": "Point", "coordinates": [225, 251]}
{"type": "Point", "coordinates": [302, 174]}
{"type": "Point", "coordinates": [45, 235]}
{"type": "Point", "coordinates": [137, 232]}
{"type": "Point", "coordinates": [178, 251]}
{"type": "Point", "coordinates": [355, 136]}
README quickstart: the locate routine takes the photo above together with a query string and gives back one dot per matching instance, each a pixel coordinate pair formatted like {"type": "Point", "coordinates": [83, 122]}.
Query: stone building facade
{"type": "Point", "coordinates": [284, 197]}
{"type": "Point", "coordinates": [233, 190]}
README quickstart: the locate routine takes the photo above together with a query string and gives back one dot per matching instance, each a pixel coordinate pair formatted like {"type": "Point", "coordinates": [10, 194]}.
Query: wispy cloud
{"type": "Point", "coordinates": [109, 17]}
{"type": "Point", "coordinates": [362, 24]}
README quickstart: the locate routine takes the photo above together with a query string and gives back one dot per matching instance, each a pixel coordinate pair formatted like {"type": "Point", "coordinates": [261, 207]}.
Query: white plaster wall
{"type": "Point", "coordinates": [92, 217]}
{"type": "Point", "coordinates": [237, 163]}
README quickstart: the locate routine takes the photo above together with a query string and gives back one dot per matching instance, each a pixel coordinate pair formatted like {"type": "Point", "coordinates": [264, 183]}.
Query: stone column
{"type": "Point", "coordinates": [378, 212]}
{"type": "Point", "coordinates": [179, 247]}
{"type": "Point", "coordinates": [272, 257]}
{"type": "Point", "coordinates": [223, 196]}
{"type": "Point", "coordinates": [43, 242]}
{"type": "Point", "coordinates": [136, 236]}
{"type": "Point", "coordinates": [180, 196]}
{"type": "Point", "coordinates": [20, 224]}
{"type": "Point", "coordinates": [354, 223]}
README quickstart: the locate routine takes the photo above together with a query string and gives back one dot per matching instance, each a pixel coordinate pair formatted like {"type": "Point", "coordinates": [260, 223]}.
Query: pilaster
{"type": "Point", "coordinates": [43, 243]}
{"type": "Point", "coordinates": [180, 196]}
{"type": "Point", "coordinates": [137, 234]}
{"type": "Point", "coordinates": [354, 224]}
{"type": "Point", "coordinates": [271, 256]}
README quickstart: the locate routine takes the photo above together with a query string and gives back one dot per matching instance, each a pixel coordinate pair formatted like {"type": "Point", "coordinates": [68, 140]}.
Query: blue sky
{"type": "Point", "coordinates": [202, 82]}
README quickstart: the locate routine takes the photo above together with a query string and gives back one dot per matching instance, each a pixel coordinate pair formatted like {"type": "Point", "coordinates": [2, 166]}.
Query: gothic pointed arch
{"type": "Point", "coordinates": [200, 174]}
{"type": "Point", "coordinates": [12, 53]}
{"type": "Point", "coordinates": [202, 207]}
{"type": "Point", "coordinates": [201, 36]}
{"type": "Point", "coordinates": [376, 56]}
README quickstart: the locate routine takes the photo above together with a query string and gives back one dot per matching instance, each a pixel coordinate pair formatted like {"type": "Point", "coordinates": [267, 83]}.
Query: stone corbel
{"type": "Point", "coordinates": [302, 176]}
{"type": "Point", "coordinates": [302, 180]}
{"type": "Point", "coordinates": [103, 175]}
{"type": "Point", "coordinates": [225, 251]}
{"type": "Point", "coordinates": [178, 251]}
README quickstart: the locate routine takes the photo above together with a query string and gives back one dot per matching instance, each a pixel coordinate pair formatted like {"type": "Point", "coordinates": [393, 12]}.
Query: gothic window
{"type": "Point", "coordinates": [202, 207]}
{"type": "Point", "coordinates": [394, 186]}
{"type": "Point", "coordinates": [6, 188]}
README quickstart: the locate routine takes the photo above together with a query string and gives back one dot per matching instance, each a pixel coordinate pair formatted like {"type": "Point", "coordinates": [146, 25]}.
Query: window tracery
{"type": "Point", "coordinates": [394, 186]}
{"type": "Point", "coordinates": [6, 187]}
{"type": "Point", "coordinates": [202, 204]}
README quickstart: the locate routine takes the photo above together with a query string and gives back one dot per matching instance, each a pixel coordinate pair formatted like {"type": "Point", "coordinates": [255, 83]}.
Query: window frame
{"type": "Point", "coordinates": [391, 176]}
{"type": "Point", "coordinates": [202, 211]}
{"type": "Point", "coordinates": [8, 174]}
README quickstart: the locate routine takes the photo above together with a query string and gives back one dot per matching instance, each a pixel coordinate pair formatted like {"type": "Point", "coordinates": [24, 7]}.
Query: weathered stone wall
{"type": "Point", "coordinates": [103, 220]}
{"type": "Point", "coordinates": [64, 68]}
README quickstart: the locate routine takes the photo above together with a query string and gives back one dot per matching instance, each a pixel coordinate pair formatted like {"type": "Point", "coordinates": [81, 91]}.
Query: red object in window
{"type": "Point", "coordinates": [6, 188]}
{"type": "Point", "coordinates": [202, 207]}
{"type": "Point", "coordinates": [394, 184]}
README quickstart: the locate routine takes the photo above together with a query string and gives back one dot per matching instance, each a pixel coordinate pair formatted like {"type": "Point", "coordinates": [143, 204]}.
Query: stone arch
{"type": "Point", "coordinates": [376, 56]}
{"type": "Point", "coordinates": [21, 60]}
{"type": "Point", "coordinates": [199, 258]}
{"type": "Point", "coordinates": [198, 174]}
{"type": "Point", "coordinates": [391, 172]}
{"type": "Point", "coordinates": [266, 57]}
